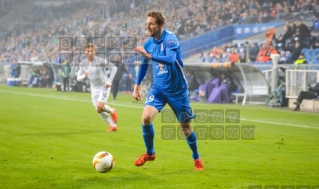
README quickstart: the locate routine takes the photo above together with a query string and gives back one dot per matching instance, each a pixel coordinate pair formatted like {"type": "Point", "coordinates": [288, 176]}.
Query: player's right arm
{"type": "Point", "coordinates": [137, 93]}
{"type": "Point", "coordinates": [81, 74]}
{"type": "Point", "coordinates": [142, 71]}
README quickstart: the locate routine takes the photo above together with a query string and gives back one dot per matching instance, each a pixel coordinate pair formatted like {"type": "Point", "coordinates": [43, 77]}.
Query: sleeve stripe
{"type": "Point", "coordinates": [182, 72]}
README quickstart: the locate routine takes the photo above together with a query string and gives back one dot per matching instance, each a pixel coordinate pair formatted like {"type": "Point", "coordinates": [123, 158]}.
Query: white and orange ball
{"type": "Point", "coordinates": [103, 162]}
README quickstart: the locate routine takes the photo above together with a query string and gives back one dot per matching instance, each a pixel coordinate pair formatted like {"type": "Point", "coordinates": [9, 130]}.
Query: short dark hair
{"type": "Point", "coordinates": [158, 15]}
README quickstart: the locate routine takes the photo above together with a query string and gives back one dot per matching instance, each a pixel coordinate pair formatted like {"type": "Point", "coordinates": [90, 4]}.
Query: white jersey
{"type": "Point", "coordinates": [97, 73]}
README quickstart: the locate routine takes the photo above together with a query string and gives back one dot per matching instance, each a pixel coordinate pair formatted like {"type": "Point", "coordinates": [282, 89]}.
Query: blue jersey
{"type": "Point", "coordinates": [168, 73]}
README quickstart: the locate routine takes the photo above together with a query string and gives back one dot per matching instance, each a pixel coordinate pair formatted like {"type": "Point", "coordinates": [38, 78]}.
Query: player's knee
{"type": "Point", "coordinates": [146, 119]}
{"type": "Point", "coordinates": [98, 110]}
{"type": "Point", "coordinates": [186, 129]}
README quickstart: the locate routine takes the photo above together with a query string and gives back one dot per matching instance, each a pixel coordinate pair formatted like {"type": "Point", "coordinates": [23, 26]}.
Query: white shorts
{"type": "Point", "coordinates": [100, 96]}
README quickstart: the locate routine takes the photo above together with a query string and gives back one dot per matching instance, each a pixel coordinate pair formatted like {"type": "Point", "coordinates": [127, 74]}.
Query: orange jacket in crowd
{"type": "Point", "coordinates": [264, 54]}
{"type": "Point", "coordinates": [270, 35]}
{"type": "Point", "coordinates": [233, 57]}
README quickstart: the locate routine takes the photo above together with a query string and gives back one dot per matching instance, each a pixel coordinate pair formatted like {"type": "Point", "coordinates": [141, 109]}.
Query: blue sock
{"type": "Point", "coordinates": [192, 143]}
{"type": "Point", "coordinates": [148, 136]}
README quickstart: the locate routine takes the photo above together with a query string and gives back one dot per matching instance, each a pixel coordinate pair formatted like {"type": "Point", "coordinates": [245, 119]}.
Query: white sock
{"type": "Point", "coordinates": [105, 116]}
{"type": "Point", "coordinates": [108, 109]}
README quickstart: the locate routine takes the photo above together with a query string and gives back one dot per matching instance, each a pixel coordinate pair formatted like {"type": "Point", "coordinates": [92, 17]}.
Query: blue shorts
{"type": "Point", "coordinates": [180, 104]}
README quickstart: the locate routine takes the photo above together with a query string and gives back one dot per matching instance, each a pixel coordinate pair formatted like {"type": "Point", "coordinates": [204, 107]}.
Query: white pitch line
{"type": "Point", "coordinates": [65, 98]}
{"type": "Point", "coordinates": [276, 123]}
{"type": "Point", "coordinates": [124, 105]}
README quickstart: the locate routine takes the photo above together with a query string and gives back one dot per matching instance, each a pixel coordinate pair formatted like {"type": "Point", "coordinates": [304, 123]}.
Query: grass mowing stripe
{"type": "Point", "coordinates": [130, 106]}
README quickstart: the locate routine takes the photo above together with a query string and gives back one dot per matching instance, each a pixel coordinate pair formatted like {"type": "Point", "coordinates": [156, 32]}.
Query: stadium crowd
{"type": "Point", "coordinates": [295, 44]}
{"type": "Point", "coordinates": [35, 37]}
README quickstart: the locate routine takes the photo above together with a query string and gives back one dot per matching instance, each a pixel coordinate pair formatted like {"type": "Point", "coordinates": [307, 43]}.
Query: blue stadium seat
{"type": "Point", "coordinates": [307, 41]}
{"type": "Point", "coordinates": [315, 56]}
{"type": "Point", "coordinates": [306, 53]}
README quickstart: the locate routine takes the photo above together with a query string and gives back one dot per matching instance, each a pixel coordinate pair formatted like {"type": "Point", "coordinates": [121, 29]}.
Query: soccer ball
{"type": "Point", "coordinates": [103, 162]}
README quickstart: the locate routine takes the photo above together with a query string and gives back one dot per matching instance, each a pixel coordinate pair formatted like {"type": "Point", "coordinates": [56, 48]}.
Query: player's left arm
{"type": "Point", "coordinates": [171, 46]}
{"type": "Point", "coordinates": [113, 70]}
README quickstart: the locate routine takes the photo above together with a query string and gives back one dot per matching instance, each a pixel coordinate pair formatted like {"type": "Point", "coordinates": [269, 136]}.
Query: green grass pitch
{"type": "Point", "coordinates": [48, 140]}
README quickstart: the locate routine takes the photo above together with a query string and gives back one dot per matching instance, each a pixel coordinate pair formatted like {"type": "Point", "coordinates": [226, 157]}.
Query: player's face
{"type": "Point", "coordinates": [153, 29]}
{"type": "Point", "coordinates": [90, 52]}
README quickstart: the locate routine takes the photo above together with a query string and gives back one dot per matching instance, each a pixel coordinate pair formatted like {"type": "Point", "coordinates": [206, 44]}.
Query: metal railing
{"type": "Point", "coordinates": [299, 80]}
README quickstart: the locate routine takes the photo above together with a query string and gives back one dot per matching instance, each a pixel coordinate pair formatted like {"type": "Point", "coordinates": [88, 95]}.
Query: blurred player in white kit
{"type": "Point", "coordinates": [95, 69]}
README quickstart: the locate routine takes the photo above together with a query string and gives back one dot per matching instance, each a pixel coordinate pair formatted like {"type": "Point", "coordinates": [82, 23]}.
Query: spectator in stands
{"type": "Point", "coordinates": [289, 27]}
{"type": "Point", "coordinates": [306, 6]}
{"type": "Point", "coordinates": [296, 52]}
{"type": "Point", "coordinates": [210, 57]}
{"type": "Point", "coordinates": [233, 56]}
{"type": "Point", "coordinates": [202, 58]}
{"type": "Point", "coordinates": [288, 58]}
{"type": "Point", "coordinates": [241, 18]}
{"type": "Point", "coordinates": [290, 46]}
{"type": "Point", "coordinates": [312, 93]}
{"type": "Point", "coordinates": [297, 36]}
{"type": "Point", "coordinates": [315, 45]}
{"type": "Point", "coordinates": [302, 31]}
{"type": "Point", "coordinates": [242, 55]}
{"type": "Point", "coordinates": [229, 46]}
{"type": "Point", "coordinates": [35, 56]}
{"type": "Point", "coordinates": [301, 60]}
{"type": "Point", "coordinates": [272, 49]}
{"type": "Point", "coordinates": [218, 58]}
{"type": "Point", "coordinates": [253, 52]}
{"type": "Point", "coordinates": [233, 19]}
{"type": "Point", "coordinates": [285, 34]}
{"type": "Point", "coordinates": [315, 23]}
{"type": "Point", "coordinates": [282, 58]}
{"type": "Point", "coordinates": [265, 52]}
{"type": "Point", "coordinates": [270, 35]}
{"type": "Point", "coordinates": [293, 28]}
{"type": "Point", "coordinates": [214, 51]}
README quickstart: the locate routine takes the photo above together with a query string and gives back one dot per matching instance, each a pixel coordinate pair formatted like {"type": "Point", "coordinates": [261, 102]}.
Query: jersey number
{"type": "Point", "coordinates": [150, 98]}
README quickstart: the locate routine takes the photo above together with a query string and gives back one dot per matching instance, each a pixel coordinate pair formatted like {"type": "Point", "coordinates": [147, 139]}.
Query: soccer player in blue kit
{"type": "Point", "coordinates": [169, 86]}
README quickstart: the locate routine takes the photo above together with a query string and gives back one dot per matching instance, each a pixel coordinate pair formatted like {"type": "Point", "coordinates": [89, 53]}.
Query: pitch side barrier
{"type": "Point", "coordinates": [25, 72]}
{"type": "Point", "coordinates": [252, 87]}
{"type": "Point", "coordinates": [251, 84]}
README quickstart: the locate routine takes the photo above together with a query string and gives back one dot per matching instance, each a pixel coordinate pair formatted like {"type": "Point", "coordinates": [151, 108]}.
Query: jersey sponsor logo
{"type": "Point", "coordinates": [162, 68]}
